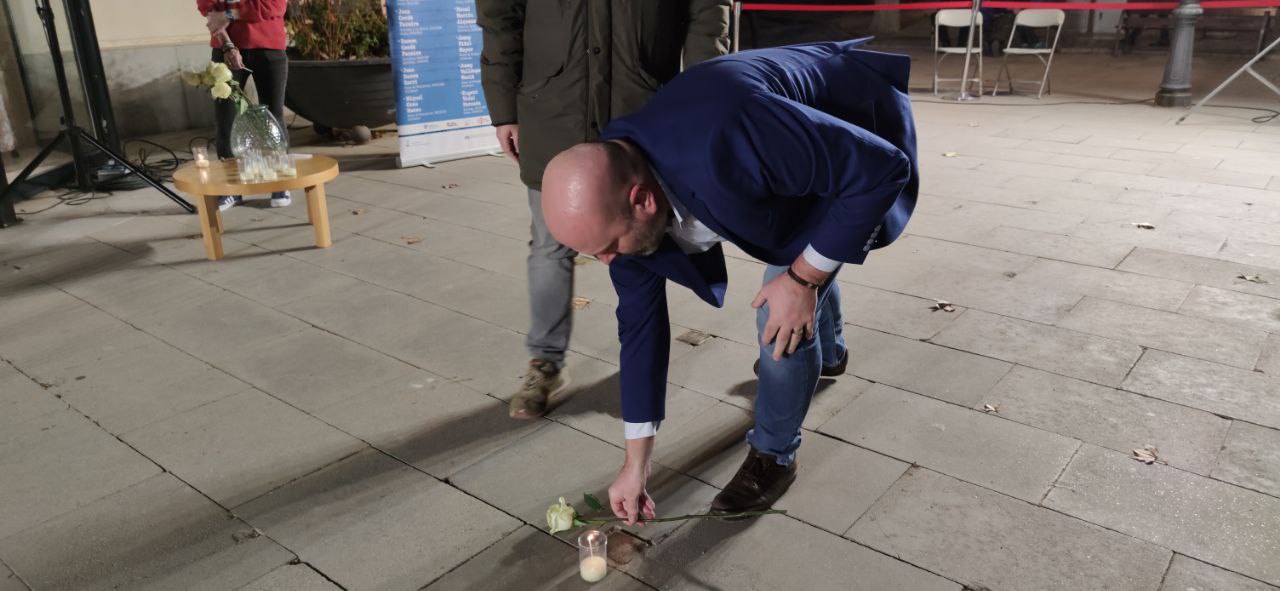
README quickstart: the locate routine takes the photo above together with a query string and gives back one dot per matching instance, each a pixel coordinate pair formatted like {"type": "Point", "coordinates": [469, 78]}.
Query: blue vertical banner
{"type": "Point", "coordinates": [440, 109]}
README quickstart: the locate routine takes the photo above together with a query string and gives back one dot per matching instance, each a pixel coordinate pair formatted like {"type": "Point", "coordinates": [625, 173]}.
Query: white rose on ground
{"type": "Point", "coordinates": [560, 517]}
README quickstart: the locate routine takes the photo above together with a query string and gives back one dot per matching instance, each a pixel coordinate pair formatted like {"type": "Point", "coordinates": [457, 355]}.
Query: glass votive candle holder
{"type": "Point", "coordinates": [244, 168]}
{"type": "Point", "coordinates": [201, 156]}
{"type": "Point", "coordinates": [593, 548]}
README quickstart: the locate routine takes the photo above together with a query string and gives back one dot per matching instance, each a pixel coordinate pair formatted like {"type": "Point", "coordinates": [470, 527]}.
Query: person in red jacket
{"type": "Point", "coordinates": [248, 35]}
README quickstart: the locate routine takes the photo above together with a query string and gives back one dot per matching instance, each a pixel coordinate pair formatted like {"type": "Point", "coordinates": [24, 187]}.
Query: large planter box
{"type": "Point", "coordinates": [341, 94]}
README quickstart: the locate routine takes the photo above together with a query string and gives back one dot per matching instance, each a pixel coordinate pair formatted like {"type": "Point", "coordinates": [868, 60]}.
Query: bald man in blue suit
{"type": "Point", "coordinates": [805, 158]}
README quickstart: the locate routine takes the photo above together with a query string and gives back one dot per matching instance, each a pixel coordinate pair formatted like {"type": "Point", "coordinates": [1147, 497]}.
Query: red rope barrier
{"type": "Point", "coordinates": [1208, 5]}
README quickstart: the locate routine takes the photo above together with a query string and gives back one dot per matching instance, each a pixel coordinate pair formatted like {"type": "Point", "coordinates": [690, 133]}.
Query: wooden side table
{"type": "Point", "coordinates": [205, 185]}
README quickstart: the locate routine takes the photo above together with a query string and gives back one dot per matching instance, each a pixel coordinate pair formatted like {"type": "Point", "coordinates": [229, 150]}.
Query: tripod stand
{"type": "Point", "coordinates": [1248, 67]}
{"type": "Point", "coordinates": [74, 134]}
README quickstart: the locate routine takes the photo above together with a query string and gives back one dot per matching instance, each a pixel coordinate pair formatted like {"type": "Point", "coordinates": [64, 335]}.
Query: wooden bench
{"type": "Point", "coordinates": [1211, 21]}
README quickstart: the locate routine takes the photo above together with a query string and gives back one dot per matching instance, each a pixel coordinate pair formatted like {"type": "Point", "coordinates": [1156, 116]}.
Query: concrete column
{"type": "Point", "coordinates": [1175, 89]}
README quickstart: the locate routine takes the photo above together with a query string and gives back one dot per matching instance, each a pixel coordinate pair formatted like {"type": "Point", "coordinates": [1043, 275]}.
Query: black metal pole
{"type": "Point", "coordinates": [84, 41]}
{"type": "Point", "coordinates": [8, 216]}
{"type": "Point", "coordinates": [83, 182]}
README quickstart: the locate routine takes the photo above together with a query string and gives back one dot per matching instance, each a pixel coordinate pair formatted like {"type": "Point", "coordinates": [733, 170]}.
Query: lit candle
{"type": "Point", "coordinates": [593, 546]}
{"type": "Point", "coordinates": [201, 154]}
{"type": "Point", "coordinates": [593, 568]}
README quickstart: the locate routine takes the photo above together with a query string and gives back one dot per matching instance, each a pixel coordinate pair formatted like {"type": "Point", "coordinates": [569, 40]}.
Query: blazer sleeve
{"type": "Point", "coordinates": [502, 56]}
{"type": "Point", "coordinates": [779, 147]}
{"type": "Point", "coordinates": [644, 331]}
{"type": "Point", "coordinates": [708, 34]}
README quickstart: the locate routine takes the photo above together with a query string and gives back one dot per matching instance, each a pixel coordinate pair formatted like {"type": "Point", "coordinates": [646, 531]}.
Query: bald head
{"type": "Point", "coordinates": [595, 196]}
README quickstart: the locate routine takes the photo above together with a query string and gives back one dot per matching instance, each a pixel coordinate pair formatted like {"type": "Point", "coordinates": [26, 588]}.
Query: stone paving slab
{"type": "Point", "coordinates": [22, 400]}
{"type": "Point", "coordinates": [1204, 271]}
{"type": "Point", "coordinates": [1269, 360]}
{"type": "Point", "coordinates": [242, 446]}
{"type": "Point", "coordinates": [1002, 455]}
{"type": "Point", "coordinates": [57, 462]}
{"type": "Point", "coordinates": [1219, 389]}
{"type": "Point", "coordinates": [435, 425]}
{"type": "Point", "coordinates": [837, 482]}
{"type": "Point", "coordinates": [371, 522]}
{"type": "Point", "coordinates": [1129, 288]}
{"type": "Point", "coordinates": [127, 390]}
{"type": "Point", "coordinates": [157, 534]}
{"type": "Point", "coordinates": [987, 540]}
{"type": "Point", "coordinates": [1251, 253]}
{"type": "Point", "coordinates": [81, 333]}
{"type": "Point", "coordinates": [312, 368]}
{"type": "Point", "coordinates": [10, 581]}
{"type": "Point", "coordinates": [1187, 573]}
{"type": "Point", "coordinates": [274, 278]}
{"type": "Point", "coordinates": [239, 323]}
{"type": "Point", "coordinates": [525, 478]}
{"type": "Point", "coordinates": [1250, 457]}
{"type": "Point", "coordinates": [291, 577]}
{"type": "Point", "coordinates": [894, 313]}
{"type": "Point", "coordinates": [1225, 525]}
{"type": "Point", "coordinates": [1076, 354]}
{"type": "Point", "coordinates": [998, 295]}
{"type": "Point", "coordinates": [528, 559]}
{"type": "Point", "coordinates": [1115, 419]}
{"type": "Point", "coordinates": [1055, 246]}
{"type": "Point", "coordinates": [924, 368]}
{"type": "Point", "coordinates": [747, 556]}
{"type": "Point", "coordinates": [1249, 312]}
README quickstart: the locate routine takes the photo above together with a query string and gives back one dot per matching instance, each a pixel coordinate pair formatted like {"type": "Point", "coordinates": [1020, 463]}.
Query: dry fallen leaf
{"type": "Point", "coordinates": [357, 211]}
{"type": "Point", "coordinates": [1252, 278]}
{"type": "Point", "coordinates": [581, 303]}
{"type": "Point", "coordinates": [194, 237]}
{"type": "Point", "coordinates": [581, 260]}
{"type": "Point", "coordinates": [1147, 455]}
{"type": "Point", "coordinates": [973, 124]}
{"type": "Point", "coordinates": [411, 239]}
{"type": "Point", "coordinates": [1143, 225]}
{"type": "Point", "coordinates": [949, 154]}
{"type": "Point", "coordinates": [943, 305]}
{"type": "Point", "coordinates": [991, 408]}
{"type": "Point", "coordinates": [257, 219]}
{"type": "Point", "coordinates": [694, 338]}
{"type": "Point", "coordinates": [449, 186]}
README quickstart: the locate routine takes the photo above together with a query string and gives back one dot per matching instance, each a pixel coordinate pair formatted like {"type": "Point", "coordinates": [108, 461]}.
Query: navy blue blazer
{"type": "Point", "coordinates": [775, 150]}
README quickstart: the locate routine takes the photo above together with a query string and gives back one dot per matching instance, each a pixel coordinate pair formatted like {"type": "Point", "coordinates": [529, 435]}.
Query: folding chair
{"type": "Point", "coordinates": [1033, 19]}
{"type": "Point", "coordinates": [956, 18]}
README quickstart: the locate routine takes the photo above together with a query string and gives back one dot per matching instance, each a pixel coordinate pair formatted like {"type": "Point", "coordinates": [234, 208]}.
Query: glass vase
{"type": "Point", "coordinates": [256, 129]}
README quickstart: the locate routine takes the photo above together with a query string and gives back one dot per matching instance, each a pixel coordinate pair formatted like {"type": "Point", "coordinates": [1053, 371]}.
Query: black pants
{"type": "Point", "coordinates": [270, 71]}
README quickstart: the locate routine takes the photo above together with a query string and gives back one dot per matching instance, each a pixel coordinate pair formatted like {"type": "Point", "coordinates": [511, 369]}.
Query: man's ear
{"type": "Point", "coordinates": [642, 201]}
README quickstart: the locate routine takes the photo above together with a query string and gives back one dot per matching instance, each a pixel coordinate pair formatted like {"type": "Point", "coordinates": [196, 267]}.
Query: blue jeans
{"type": "Point", "coordinates": [786, 387]}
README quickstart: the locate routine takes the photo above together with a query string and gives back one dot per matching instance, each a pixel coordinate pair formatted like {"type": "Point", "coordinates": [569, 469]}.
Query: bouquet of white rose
{"type": "Point", "coordinates": [222, 85]}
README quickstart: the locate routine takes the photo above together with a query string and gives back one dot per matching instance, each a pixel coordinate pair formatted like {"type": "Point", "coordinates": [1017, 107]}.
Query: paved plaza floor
{"type": "Point", "coordinates": [294, 418]}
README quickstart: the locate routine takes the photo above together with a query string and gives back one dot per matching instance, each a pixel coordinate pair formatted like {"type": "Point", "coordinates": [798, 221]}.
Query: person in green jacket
{"type": "Point", "coordinates": [554, 73]}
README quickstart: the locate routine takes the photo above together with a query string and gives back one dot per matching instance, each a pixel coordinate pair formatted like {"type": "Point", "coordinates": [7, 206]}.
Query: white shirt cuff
{"type": "Point", "coordinates": [640, 430]}
{"type": "Point", "coordinates": [819, 262]}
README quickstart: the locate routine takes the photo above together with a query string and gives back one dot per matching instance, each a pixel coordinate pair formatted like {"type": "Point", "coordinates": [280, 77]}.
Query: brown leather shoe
{"type": "Point", "coordinates": [828, 371]}
{"type": "Point", "coordinates": [759, 483]}
{"type": "Point", "coordinates": [541, 381]}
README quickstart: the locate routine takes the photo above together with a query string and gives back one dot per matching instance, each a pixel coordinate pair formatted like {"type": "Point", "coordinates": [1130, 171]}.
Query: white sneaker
{"type": "Point", "coordinates": [283, 199]}
{"type": "Point", "coordinates": [226, 202]}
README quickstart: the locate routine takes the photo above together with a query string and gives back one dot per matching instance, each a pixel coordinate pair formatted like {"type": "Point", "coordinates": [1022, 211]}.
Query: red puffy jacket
{"type": "Point", "coordinates": [259, 24]}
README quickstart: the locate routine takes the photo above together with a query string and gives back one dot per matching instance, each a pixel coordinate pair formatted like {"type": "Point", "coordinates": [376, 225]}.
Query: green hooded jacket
{"type": "Point", "coordinates": [561, 69]}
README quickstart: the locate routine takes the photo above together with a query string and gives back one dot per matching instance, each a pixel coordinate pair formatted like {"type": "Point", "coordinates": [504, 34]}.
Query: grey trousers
{"type": "Point", "coordinates": [550, 289]}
